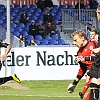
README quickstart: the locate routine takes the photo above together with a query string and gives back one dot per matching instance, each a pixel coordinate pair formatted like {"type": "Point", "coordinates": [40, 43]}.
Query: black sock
{"type": "Point", "coordinates": [94, 95]}
{"type": "Point", "coordinates": [5, 79]}
{"type": "Point", "coordinates": [75, 82]}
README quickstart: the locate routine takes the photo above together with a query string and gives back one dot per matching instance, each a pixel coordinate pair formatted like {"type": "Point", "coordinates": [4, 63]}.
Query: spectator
{"type": "Point", "coordinates": [22, 39]}
{"type": "Point", "coordinates": [40, 4]}
{"type": "Point", "coordinates": [41, 29]}
{"type": "Point", "coordinates": [24, 17]}
{"type": "Point", "coordinates": [51, 30]}
{"type": "Point", "coordinates": [48, 18]}
{"type": "Point", "coordinates": [81, 5]}
{"type": "Point", "coordinates": [89, 27]}
{"type": "Point", "coordinates": [48, 3]}
{"type": "Point", "coordinates": [32, 43]}
{"type": "Point", "coordinates": [94, 36]}
{"type": "Point", "coordinates": [93, 4]}
{"type": "Point", "coordinates": [33, 29]}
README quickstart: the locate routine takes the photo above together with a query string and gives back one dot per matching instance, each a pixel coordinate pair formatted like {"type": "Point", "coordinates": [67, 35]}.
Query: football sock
{"type": "Point", "coordinates": [5, 79]}
{"type": "Point", "coordinates": [94, 95]}
{"type": "Point", "coordinates": [86, 86]}
{"type": "Point", "coordinates": [88, 96]}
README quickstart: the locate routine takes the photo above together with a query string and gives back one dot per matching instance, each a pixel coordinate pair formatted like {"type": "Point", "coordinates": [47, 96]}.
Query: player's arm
{"type": "Point", "coordinates": [8, 48]}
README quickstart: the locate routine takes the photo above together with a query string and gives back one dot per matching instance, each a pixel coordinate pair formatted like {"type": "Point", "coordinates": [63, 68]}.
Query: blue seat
{"type": "Point", "coordinates": [19, 29]}
{"type": "Point", "coordinates": [17, 17]}
{"type": "Point", "coordinates": [44, 42]}
{"type": "Point", "coordinates": [13, 25]}
{"type": "Point", "coordinates": [33, 6]}
{"type": "Point", "coordinates": [54, 37]}
{"type": "Point", "coordinates": [58, 13]}
{"type": "Point", "coordinates": [38, 37]}
{"type": "Point", "coordinates": [28, 41]}
{"type": "Point", "coordinates": [35, 14]}
{"type": "Point", "coordinates": [34, 18]}
{"type": "Point", "coordinates": [4, 25]}
{"type": "Point", "coordinates": [48, 37]}
{"type": "Point", "coordinates": [56, 21]}
{"type": "Point", "coordinates": [1, 22]}
{"type": "Point", "coordinates": [21, 25]}
{"type": "Point", "coordinates": [17, 6]}
{"type": "Point", "coordinates": [28, 24]}
{"type": "Point", "coordinates": [53, 42]}
{"type": "Point", "coordinates": [61, 42]}
{"type": "Point", "coordinates": [70, 7]}
{"type": "Point", "coordinates": [38, 10]}
{"type": "Point", "coordinates": [55, 6]}
{"type": "Point", "coordinates": [2, 18]}
{"type": "Point", "coordinates": [37, 42]}
{"type": "Point", "coordinates": [57, 17]}
{"type": "Point", "coordinates": [11, 29]}
{"type": "Point", "coordinates": [16, 33]}
{"type": "Point", "coordinates": [24, 7]}
{"type": "Point", "coordinates": [62, 6]}
{"type": "Point", "coordinates": [29, 37]}
{"type": "Point", "coordinates": [24, 33]}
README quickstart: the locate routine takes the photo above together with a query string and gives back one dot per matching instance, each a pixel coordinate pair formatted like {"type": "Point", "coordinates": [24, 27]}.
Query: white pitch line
{"type": "Point", "coordinates": [38, 96]}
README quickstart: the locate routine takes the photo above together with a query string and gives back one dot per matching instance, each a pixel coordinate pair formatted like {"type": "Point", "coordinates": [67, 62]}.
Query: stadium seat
{"type": "Point", "coordinates": [1, 22]}
{"type": "Point", "coordinates": [61, 42]}
{"type": "Point", "coordinates": [16, 33]}
{"type": "Point", "coordinates": [25, 34]}
{"type": "Point", "coordinates": [38, 37]}
{"type": "Point", "coordinates": [4, 25]}
{"type": "Point", "coordinates": [55, 37]}
{"type": "Point", "coordinates": [53, 42]}
{"type": "Point", "coordinates": [13, 25]}
{"type": "Point", "coordinates": [21, 25]}
{"type": "Point", "coordinates": [29, 37]}
{"type": "Point", "coordinates": [48, 37]}
{"type": "Point", "coordinates": [44, 42]}
{"type": "Point", "coordinates": [37, 42]}
{"type": "Point", "coordinates": [70, 7]}
{"type": "Point", "coordinates": [2, 18]}
{"type": "Point", "coordinates": [11, 29]}
{"type": "Point", "coordinates": [19, 29]}
{"type": "Point", "coordinates": [33, 6]}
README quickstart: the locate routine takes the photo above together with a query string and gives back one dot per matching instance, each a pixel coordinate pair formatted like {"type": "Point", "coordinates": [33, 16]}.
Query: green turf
{"type": "Point", "coordinates": [41, 90]}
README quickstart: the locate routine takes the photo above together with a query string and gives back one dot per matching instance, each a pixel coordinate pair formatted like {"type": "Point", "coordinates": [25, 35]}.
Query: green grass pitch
{"type": "Point", "coordinates": [41, 90]}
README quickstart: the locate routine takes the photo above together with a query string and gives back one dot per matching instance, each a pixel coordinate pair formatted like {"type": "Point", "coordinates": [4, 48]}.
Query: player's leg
{"type": "Point", "coordinates": [88, 96]}
{"type": "Point", "coordinates": [86, 86]}
{"type": "Point", "coordinates": [94, 95]}
{"type": "Point", "coordinates": [6, 79]}
{"type": "Point", "coordinates": [80, 74]}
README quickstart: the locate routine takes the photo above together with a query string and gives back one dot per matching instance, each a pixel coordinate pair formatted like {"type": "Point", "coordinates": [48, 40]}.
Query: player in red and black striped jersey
{"type": "Point", "coordinates": [84, 57]}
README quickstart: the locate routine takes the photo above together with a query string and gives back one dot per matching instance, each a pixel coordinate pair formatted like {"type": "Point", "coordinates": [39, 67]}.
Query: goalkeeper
{"type": "Point", "coordinates": [84, 57]}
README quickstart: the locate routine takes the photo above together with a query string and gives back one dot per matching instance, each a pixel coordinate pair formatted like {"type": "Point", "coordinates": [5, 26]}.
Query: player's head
{"type": "Point", "coordinates": [79, 38]}
{"type": "Point", "coordinates": [98, 12]}
{"type": "Point", "coordinates": [93, 34]}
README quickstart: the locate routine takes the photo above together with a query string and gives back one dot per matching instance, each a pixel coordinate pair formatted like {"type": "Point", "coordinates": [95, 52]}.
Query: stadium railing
{"type": "Point", "coordinates": [72, 19]}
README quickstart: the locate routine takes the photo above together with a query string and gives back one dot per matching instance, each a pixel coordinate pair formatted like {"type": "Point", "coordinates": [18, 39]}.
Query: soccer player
{"type": "Point", "coordinates": [93, 38]}
{"type": "Point", "coordinates": [3, 57]}
{"type": "Point", "coordinates": [84, 57]}
{"type": "Point", "coordinates": [94, 72]}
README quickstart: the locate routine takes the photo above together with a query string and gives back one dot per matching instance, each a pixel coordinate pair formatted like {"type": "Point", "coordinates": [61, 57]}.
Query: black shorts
{"type": "Point", "coordinates": [95, 70]}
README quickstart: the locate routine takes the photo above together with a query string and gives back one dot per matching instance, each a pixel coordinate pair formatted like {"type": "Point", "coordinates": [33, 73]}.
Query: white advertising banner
{"type": "Point", "coordinates": [42, 63]}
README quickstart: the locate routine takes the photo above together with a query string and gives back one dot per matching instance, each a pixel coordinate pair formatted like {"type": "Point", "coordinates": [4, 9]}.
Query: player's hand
{"type": "Point", "coordinates": [3, 57]}
{"type": "Point", "coordinates": [94, 51]}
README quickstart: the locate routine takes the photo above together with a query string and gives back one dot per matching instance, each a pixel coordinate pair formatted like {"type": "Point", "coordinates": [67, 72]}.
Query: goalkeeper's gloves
{"type": "Point", "coordinates": [77, 59]}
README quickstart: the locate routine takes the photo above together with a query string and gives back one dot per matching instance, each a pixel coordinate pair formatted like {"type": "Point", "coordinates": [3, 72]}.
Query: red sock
{"type": "Point", "coordinates": [87, 97]}
{"type": "Point", "coordinates": [86, 86]}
